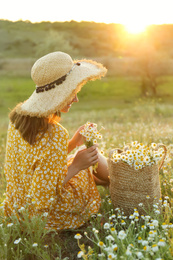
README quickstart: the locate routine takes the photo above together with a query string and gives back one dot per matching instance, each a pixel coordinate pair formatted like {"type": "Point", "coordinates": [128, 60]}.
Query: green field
{"type": "Point", "coordinates": [115, 103]}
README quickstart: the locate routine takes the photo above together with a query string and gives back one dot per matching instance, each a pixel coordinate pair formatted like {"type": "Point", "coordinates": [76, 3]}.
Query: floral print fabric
{"type": "Point", "coordinates": [35, 174]}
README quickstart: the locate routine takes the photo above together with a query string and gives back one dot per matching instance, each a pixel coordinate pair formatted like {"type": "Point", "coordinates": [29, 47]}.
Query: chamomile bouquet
{"type": "Point", "coordinates": [139, 155]}
{"type": "Point", "coordinates": [91, 135]}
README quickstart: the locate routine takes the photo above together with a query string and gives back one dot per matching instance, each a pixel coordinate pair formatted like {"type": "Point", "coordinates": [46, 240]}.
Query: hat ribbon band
{"type": "Point", "coordinates": [56, 82]}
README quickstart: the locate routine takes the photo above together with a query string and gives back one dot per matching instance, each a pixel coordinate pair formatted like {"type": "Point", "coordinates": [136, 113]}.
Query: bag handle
{"type": "Point", "coordinates": [164, 156]}
{"type": "Point", "coordinates": [113, 150]}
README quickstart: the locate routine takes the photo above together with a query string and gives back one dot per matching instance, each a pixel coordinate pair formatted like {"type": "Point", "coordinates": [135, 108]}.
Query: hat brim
{"type": "Point", "coordinates": [48, 102]}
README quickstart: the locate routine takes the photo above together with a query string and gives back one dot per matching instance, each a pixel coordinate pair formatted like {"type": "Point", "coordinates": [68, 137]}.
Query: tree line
{"type": "Point", "coordinates": [81, 39]}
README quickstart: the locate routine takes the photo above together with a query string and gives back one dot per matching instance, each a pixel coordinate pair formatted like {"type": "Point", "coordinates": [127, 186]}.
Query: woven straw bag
{"type": "Point", "coordinates": [129, 187]}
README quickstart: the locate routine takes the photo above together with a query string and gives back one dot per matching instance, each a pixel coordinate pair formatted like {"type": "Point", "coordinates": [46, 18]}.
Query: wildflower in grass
{"type": "Point", "coordinates": [144, 242]}
{"type": "Point", "coordinates": [136, 219]}
{"type": "Point", "coordinates": [152, 233]}
{"type": "Point", "coordinates": [131, 216]}
{"type": "Point", "coordinates": [115, 247]}
{"type": "Point", "coordinates": [122, 235]}
{"type": "Point", "coordinates": [143, 227]}
{"type": "Point", "coordinates": [147, 218]}
{"type": "Point", "coordinates": [111, 256]}
{"type": "Point", "coordinates": [170, 225]}
{"type": "Point", "coordinates": [165, 203]}
{"type": "Point", "coordinates": [136, 213]}
{"type": "Point", "coordinates": [123, 222]}
{"type": "Point", "coordinates": [99, 215]}
{"type": "Point", "coordinates": [140, 240]}
{"type": "Point", "coordinates": [139, 255]}
{"type": "Point", "coordinates": [106, 226]}
{"type": "Point", "coordinates": [146, 248]}
{"type": "Point", "coordinates": [101, 244]}
{"type": "Point", "coordinates": [78, 236]}
{"type": "Point", "coordinates": [113, 231]}
{"type": "Point", "coordinates": [17, 241]}
{"type": "Point", "coordinates": [101, 255]}
{"type": "Point", "coordinates": [46, 246]}
{"type": "Point", "coordinates": [155, 222]}
{"type": "Point", "coordinates": [35, 245]}
{"type": "Point", "coordinates": [110, 238]}
{"type": "Point", "coordinates": [9, 224]}
{"type": "Point", "coordinates": [157, 211]}
{"type": "Point", "coordinates": [95, 231]}
{"type": "Point", "coordinates": [80, 254]}
{"type": "Point", "coordinates": [161, 242]}
{"type": "Point", "coordinates": [164, 226]}
{"type": "Point", "coordinates": [128, 252]}
{"type": "Point", "coordinates": [155, 206]}
{"type": "Point", "coordinates": [151, 226]}
{"type": "Point", "coordinates": [154, 248]}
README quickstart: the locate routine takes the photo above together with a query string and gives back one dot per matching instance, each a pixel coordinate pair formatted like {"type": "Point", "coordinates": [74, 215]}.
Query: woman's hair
{"type": "Point", "coordinates": [29, 126]}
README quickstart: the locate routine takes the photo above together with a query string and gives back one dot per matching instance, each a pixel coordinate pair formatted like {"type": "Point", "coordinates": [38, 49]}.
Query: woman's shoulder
{"type": "Point", "coordinates": [58, 129]}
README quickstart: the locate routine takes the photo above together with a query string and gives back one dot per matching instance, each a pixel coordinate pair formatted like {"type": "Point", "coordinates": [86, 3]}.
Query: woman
{"type": "Point", "coordinates": [38, 172]}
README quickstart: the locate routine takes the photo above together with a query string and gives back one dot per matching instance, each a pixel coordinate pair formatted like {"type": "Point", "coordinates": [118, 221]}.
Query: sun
{"type": "Point", "coordinates": [135, 27]}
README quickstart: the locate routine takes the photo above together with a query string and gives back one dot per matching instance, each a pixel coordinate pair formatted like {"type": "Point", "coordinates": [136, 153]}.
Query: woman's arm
{"type": "Point", "coordinates": [83, 160]}
{"type": "Point", "coordinates": [76, 140]}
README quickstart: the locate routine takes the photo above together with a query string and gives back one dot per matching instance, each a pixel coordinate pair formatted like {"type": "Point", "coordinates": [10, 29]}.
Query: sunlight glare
{"type": "Point", "coordinates": [135, 27]}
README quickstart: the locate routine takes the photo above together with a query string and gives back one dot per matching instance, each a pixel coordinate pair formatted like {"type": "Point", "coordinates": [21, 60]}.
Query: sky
{"type": "Point", "coordinates": [132, 13]}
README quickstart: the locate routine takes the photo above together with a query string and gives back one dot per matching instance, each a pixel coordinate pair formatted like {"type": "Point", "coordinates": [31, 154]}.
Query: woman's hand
{"type": "Point", "coordinates": [76, 140]}
{"type": "Point", "coordinates": [83, 160]}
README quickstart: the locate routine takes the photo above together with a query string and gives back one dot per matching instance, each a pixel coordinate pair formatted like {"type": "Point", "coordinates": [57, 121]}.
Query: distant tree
{"type": "Point", "coordinates": [148, 62]}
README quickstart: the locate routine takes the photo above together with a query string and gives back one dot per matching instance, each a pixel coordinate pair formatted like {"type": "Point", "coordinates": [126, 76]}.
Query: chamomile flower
{"type": "Point", "coordinates": [35, 245]}
{"type": "Point", "coordinates": [78, 236]}
{"type": "Point", "coordinates": [80, 254]}
{"type": "Point", "coordinates": [154, 248]}
{"type": "Point", "coordinates": [122, 235]}
{"type": "Point", "coordinates": [17, 241]}
{"type": "Point", "coordinates": [106, 226]}
{"type": "Point", "coordinates": [161, 242]}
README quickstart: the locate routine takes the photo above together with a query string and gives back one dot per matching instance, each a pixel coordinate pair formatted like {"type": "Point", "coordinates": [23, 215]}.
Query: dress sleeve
{"type": "Point", "coordinates": [51, 169]}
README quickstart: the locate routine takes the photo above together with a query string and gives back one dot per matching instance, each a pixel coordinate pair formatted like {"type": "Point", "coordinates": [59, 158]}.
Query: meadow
{"type": "Point", "coordinates": [115, 103]}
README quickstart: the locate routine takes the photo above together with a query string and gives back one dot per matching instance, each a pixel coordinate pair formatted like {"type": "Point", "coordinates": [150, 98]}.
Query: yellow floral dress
{"type": "Point", "coordinates": [35, 174]}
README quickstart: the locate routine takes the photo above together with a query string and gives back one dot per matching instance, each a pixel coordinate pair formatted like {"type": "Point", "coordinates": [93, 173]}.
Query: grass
{"type": "Point", "coordinates": [116, 104]}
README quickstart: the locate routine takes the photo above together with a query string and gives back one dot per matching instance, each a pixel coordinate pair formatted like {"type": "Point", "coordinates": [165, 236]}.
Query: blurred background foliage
{"type": "Point", "coordinates": [147, 55]}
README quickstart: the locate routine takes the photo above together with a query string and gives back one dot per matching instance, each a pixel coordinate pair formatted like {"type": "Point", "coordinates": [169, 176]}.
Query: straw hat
{"type": "Point", "coordinates": [58, 78]}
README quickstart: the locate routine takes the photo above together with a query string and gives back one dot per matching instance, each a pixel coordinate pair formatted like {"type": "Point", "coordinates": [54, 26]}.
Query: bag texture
{"type": "Point", "coordinates": [130, 187]}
